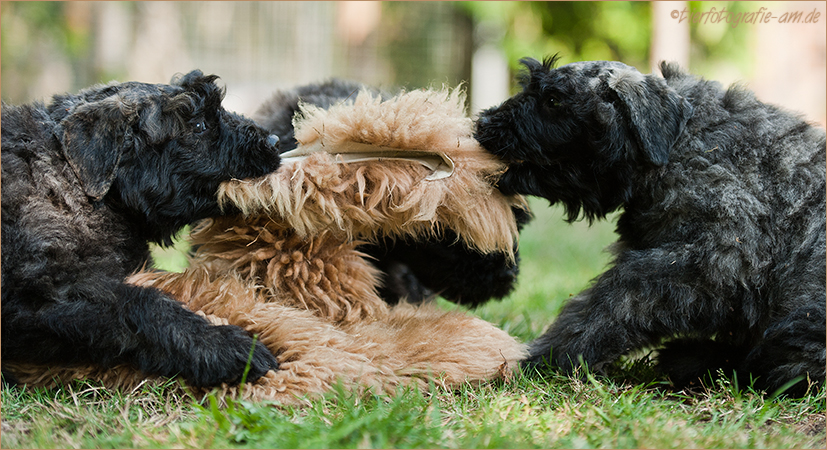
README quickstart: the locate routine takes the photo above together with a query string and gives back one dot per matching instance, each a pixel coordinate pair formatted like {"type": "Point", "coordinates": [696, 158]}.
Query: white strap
{"type": "Point", "coordinates": [440, 164]}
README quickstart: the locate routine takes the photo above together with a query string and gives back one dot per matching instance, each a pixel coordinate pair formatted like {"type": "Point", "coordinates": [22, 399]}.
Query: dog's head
{"type": "Point", "coordinates": [578, 133]}
{"type": "Point", "coordinates": [159, 152]}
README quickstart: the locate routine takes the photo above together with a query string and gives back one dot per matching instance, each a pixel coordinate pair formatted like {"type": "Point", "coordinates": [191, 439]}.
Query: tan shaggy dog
{"type": "Point", "coordinates": [288, 270]}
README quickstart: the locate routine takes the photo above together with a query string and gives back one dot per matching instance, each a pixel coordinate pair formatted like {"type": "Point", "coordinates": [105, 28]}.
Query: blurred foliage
{"type": "Point", "coordinates": [576, 30]}
{"type": "Point", "coordinates": [603, 31]}
{"type": "Point", "coordinates": [34, 35]}
{"type": "Point", "coordinates": [421, 40]}
{"type": "Point", "coordinates": [720, 44]}
{"type": "Point", "coordinates": [36, 21]}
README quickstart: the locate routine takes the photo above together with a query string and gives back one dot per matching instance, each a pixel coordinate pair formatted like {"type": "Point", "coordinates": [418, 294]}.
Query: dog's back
{"type": "Point", "coordinates": [47, 221]}
{"type": "Point", "coordinates": [756, 166]}
{"type": "Point", "coordinates": [22, 125]}
{"type": "Point", "coordinates": [763, 141]}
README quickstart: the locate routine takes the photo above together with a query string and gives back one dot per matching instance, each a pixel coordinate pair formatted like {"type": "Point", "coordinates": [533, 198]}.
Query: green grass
{"type": "Point", "coordinates": [631, 408]}
{"type": "Point", "coordinates": [173, 258]}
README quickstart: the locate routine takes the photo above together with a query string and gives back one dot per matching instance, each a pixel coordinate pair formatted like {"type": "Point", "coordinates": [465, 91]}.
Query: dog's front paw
{"type": "Point", "coordinates": [230, 350]}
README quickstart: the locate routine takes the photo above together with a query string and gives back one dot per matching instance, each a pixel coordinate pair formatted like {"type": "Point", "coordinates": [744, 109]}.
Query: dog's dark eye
{"type": "Point", "coordinates": [200, 126]}
{"type": "Point", "coordinates": [553, 101]}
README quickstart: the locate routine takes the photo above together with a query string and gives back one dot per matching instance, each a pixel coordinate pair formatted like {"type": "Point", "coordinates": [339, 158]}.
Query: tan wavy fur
{"type": "Point", "coordinates": [391, 199]}
{"type": "Point", "coordinates": [289, 270]}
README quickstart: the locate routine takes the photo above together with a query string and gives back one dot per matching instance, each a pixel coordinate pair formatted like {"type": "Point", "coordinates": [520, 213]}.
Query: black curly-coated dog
{"type": "Point", "coordinates": [414, 271]}
{"type": "Point", "coordinates": [722, 230]}
{"type": "Point", "coordinates": [87, 182]}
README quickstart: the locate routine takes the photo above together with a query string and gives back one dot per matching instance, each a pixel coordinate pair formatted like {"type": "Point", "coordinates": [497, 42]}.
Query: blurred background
{"type": "Point", "coordinates": [259, 47]}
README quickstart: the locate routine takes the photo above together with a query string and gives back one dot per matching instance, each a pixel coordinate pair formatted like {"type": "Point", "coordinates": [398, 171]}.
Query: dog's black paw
{"type": "Point", "coordinates": [229, 350]}
{"type": "Point", "coordinates": [9, 380]}
{"type": "Point", "coordinates": [262, 362]}
{"type": "Point", "coordinates": [690, 360]}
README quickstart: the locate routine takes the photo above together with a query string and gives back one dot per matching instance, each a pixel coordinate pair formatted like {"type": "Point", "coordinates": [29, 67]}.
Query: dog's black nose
{"type": "Point", "coordinates": [273, 140]}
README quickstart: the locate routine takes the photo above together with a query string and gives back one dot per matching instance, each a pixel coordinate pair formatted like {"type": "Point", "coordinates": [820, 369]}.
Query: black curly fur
{"type": "Point", "coordinates": [722, 230]}
{"type": "Point", "coordinates": [87, 182]}
{"type": "Point", "coordinates": [276, 114]}
{"type": "Point", "coordinates": [413, 271]}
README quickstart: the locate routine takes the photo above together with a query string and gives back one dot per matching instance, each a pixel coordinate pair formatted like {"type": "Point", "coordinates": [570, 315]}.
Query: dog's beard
{"type": "Point", "coordinates": [588, 193]}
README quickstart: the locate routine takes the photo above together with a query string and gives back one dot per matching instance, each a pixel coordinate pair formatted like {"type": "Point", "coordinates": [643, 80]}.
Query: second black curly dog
{"type": "Point", "coordinates": [722, 230]}
{"type": "Point", "coordinates": [86, 183]}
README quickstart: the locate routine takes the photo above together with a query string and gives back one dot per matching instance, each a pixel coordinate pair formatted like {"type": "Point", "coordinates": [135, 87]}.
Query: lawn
{"type": "Point", "coordinates": [633, 407]}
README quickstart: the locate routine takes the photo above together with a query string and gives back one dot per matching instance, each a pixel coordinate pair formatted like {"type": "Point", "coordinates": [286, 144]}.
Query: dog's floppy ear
{"type": "Point", "coordinates": [94, 136]}
{"type": "Point", "coordinates": [656, 112]}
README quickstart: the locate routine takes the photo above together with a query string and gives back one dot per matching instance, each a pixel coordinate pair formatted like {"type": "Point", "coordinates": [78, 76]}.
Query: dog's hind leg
{"type": "Point", "coordinates": [790, 348]}
{"type": "Point", "coordinates": [134, 325]}
{"type": "Point", "coordinates": [793, 341]}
